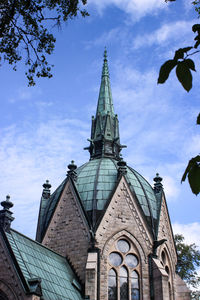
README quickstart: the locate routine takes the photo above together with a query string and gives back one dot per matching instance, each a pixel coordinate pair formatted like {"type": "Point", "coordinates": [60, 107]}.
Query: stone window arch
{"type": "Point", "coordinates": [123, 271]}
{"type": "Point", "coordinates": [167, 266]}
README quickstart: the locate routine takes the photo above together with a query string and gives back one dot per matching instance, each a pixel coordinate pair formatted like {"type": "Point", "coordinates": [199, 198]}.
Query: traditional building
{"type": "Point", "coordinates": [105, 232]}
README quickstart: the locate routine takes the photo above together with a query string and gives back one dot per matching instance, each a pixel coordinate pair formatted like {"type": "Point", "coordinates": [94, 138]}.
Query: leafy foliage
{"type": "Point", "coordinates": [184, 65]}
{"type": "Point", "coordinates": [193, 173]}
{"type": "Point", "coordinates": [188, 261]}
{"type": "Point", "coordinates": [198, 120]}
{"type": "Point", "coordinates": [165, 70]}
{"type": "Point", "coordinates": [24, 27]}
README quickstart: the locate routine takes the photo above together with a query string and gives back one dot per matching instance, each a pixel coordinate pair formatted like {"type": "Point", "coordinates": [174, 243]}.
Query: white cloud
{"type": "Point", "coordinates": [150, 125]}
{"type": "Point", "coordinates": [29, 157]}
{"type": "Point", "coordinates": [112, 35]}
{"type": "Point", "coordinates": [175, 31]}
{"type": "Point", "coordinates": [171, 188]}
{"type": "Point", "coordinates": [193, 147]}
{"type": "Point", "coordinates": [25, 93]}
{"type": "Point", "coordinates": [191, 232]}
{"type": "Point", "coordinates": [135, 8]}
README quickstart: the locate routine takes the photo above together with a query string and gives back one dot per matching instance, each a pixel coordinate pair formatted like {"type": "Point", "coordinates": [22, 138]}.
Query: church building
{"type": "Point", "coordinates": [103, 234]}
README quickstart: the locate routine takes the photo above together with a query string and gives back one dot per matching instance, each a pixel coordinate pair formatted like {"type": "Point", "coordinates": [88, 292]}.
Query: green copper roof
{"type": "Point", "coordinates": [97, 179]}
{"type": "Point", "coordinates": [37, 261]}
{"type": "Point", "coordinates": [95, 182]}
{"type": "Point", "coordinates": [105, 102]}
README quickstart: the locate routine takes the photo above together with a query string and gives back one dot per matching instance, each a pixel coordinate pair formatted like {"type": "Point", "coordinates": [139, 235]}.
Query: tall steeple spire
{"type": "Point", "coordinates": [105, 102]}
{"type": "Point", "coordinates": [105, 140]}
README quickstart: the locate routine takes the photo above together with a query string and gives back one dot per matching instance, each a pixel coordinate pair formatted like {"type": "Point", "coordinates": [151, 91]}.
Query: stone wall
{"type": "Point", "coordinates": [68, 232]}
{"type": "Point", "coordinates": [123, 218]}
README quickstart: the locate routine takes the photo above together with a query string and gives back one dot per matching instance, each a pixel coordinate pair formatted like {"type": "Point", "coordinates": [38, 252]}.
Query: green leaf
{"type": "Point", "coordinates": [186, 49]}
{"type": "Point", "coordinates": [193, 173]}
{"type": "Point", "coordinates": [184, 75]}
{"type": "Point", "coordinates": [197, 43]}
{"type": "Point", "coordinates": [190, 64]}
{"type": "Point", "coordinates": [165, 70]}
{"type": "Point", "coordinates": [198, 119]}
{"type": "Point", "coordinates": [179, 54]}
{"type": "Point", "coordinates": [196, 27]}
{"type": "Point", "coordinates": [194, 179]}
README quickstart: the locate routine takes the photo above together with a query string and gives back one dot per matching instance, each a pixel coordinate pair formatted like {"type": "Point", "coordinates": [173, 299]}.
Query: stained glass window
{"type": "Point", "coordinates": [123, 246]}
{"type": "Point", "coordinates": [123, 278]}
{"type": "Point", "coordinates": [135, 286]}
{"type": "Point", "coordinates": [112, 285]}
{"type": "Point", "coordinates": [115, 259]}
{"type": "Point", "coordinates": [131, 260]}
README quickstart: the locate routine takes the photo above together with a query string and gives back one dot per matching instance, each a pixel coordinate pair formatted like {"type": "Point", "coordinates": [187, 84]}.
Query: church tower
{"type": "Point", "coordinates": [103, 234]}
{"type": "Point", "coordinates": [112, 226]}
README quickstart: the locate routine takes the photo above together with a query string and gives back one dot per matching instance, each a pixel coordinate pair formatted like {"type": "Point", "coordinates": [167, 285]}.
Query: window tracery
{"type": "Point", "coordinates": [166, 264]}
{"type": "Point", "coordinates": [123, 272]}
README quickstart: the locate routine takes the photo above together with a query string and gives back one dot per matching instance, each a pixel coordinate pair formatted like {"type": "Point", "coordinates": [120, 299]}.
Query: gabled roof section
{"type": "Point", "coordinates": [36, 261]}
{"type": "Point", "coordinates": [47, 208]}
{"type": "Point", "coordinates": [43, 203]}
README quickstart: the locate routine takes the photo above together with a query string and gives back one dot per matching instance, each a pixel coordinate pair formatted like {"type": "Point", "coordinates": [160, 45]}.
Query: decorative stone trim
{"type": "Point", "coordinates": [134, 211]}
{"type": "Point", "coordinates": [165, 231]}
{"type": "Point", "coordinates": [127, 235]}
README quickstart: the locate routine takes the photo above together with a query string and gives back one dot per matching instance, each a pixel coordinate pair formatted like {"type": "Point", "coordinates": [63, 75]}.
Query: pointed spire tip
{"type": "Point", "coordinates": [105, 54]}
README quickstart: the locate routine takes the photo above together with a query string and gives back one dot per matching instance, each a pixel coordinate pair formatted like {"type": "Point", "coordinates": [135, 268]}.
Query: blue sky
{"type": "Point", "coordinates": [44, 127]}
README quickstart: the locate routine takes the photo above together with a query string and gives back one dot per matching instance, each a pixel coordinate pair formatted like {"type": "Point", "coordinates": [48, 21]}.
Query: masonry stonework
{"type": "Point", "coordinates": [123, 219]}
{"type": "Point", "coordinates": [68, 232]}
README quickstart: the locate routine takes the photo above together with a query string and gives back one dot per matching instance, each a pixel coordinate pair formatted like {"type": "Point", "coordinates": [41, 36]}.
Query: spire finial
{"type": "Point", "coordinates": [72, 173]}
{"type": "Point", "coordinates": [158, 185]}
{"type": "Point", "coordinates": [105, 54]}
{"type": "Point", "coordinates": [105, 71]}
{"type": "Point", "coordinates": [46, 193]}
{"type": "Point", "coordinates": [5, 214]}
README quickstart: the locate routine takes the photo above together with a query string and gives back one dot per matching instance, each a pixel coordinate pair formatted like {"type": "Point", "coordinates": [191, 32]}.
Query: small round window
{"type": "Point", "coordinates": [123, 246]}
{"type": "Point", "coordinates": [115, 259]}
{"type": "Point", "coordinates": [131, 260]}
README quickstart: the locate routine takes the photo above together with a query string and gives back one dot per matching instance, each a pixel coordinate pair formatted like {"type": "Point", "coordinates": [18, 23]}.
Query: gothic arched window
{"type": "Point", "coordinates": [123, 273]}
{"type": "Point", "coordinates": [166, 264]}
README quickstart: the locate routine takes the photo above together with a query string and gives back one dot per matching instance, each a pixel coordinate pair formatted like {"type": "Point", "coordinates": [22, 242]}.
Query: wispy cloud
{"type": "Point", "coordinates": [134, 8]}
{"type": "Point", "coordinates": [25, 94]}
{"type": "Point", "coordinates": [167, 33]}
{"type": "Point", "coordinates": [112, 36]}
{"type": "Point", "coordinates": [151, 126]}
{"type": "Point", "coordinates": [191, 232]}
{"type": "Point", "coordinates": [28, 157]}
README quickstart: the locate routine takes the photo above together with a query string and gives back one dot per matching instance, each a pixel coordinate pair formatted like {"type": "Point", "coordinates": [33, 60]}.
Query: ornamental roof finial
{"type": "Point", "coordinates": [5, 214]}
{"type": "Point", "coordinates": [158, 185]}
{"type": "Point", "coordinates": [46, 193]}
{"type": "Point", "coordinates": [72, 173]}
{"type": "Point", "coordinates": [105, 54]}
